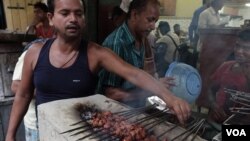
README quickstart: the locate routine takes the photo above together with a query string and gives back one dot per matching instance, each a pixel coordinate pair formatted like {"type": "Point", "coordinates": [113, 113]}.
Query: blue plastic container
{"type": "Point", "coordinates": [187, 80]}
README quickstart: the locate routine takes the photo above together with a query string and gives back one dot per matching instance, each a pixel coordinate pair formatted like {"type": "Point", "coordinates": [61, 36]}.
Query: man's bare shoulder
{"type": "Point", "coordinates": [93, 45]}
{"type": "Point", "coordinates": [99, 51]}
{"type": "Point", "coordinates": [34, 49]}
{"type": "Point", "coordinates": [95, 48]}
{"type": "Point", "coordinates": [36, 43]}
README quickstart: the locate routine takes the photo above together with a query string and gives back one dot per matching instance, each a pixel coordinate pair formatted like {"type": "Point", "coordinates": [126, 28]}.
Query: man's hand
{"type": "Point", "coordinates": [167, 81]}
{"type": "Point", "coordinates": [180, 108]}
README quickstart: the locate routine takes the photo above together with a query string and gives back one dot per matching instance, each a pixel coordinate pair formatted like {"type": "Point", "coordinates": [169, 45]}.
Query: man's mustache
{"type": "Point", "coordinates": [72, 26]}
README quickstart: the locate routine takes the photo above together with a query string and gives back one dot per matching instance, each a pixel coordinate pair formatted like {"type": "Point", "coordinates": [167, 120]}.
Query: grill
{"type": "Point", "coordinates": [62, 121]}
{"type": "Point", "coordinates": [241, 109]}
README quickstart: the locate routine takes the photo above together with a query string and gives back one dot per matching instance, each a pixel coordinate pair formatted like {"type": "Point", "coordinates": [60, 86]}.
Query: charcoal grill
{"type": "Point", "coordinates": [58, 117]}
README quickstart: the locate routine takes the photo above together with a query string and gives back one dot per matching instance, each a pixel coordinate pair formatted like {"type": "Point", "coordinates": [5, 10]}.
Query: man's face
{"type": "Point", "coordinates": [242, 52]}
{"type": "Point", "coordinates": [68, 18]}
{"type": "Point", "coordinates": [145, 20]}
{"type": "Point", "coordinates": [177, 29]}
{"type": "Point", "coordinates": [39, 15]}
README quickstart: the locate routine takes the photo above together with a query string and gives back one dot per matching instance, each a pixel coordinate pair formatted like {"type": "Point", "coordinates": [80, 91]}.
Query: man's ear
{"type": "Point", "coordinates": [50, 16]}
{"type": "Point", "coordinates": [134, 14]}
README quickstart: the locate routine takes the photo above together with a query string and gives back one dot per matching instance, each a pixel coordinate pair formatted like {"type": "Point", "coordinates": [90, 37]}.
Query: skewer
{"type": "Point", "coordinates": [81, 131]}
{"type": "Point", "coordinates": [151, 116]}
{"type": "Point", "coordinates": [238, 93]}
{"type": "Point", "coordinates": [239, 102]}
{"type": "Point", "coordinates": [133, 113]}
{"type": "Point", "coordinates": [136, 109]}
{"type": "Point", "coordinates": [240, 112]}
{"type": "Point", "coordinates": [109, 136]}
{"type": "Point", "coordinates": [90, 134]}
{"type": "Point", "coordinates": [194, 129]}
{"type": "Point", "coordinates": [240, 98]}
{"type": "Point", "coordinates": [71, 130]}
{"type": "Point", "coordinates": [77, 123]}
{"type": "Point", "coordinates": [163, 118]}
{"type": "Point", "coordinates": [189, 129]}
{"type": "Point", "coordinates": [195, 134]}
{"type": "Point", "coordinates": [170, 129]}
{"type": "Point", "coordinates": [239, 108]}
{"type": "Point", "coordinates": [101, 136]}
{"type": "Point", "coordinates": [153, 125]}
{"type": "Point", "coordinates": [225, 122]}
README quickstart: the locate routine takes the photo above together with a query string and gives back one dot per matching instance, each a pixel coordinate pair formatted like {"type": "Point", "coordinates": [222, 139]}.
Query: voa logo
{"type": "Point", "coordinates": [236, 132]}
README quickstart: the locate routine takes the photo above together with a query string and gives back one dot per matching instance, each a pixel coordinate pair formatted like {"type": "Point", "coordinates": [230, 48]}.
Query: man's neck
{"type": "Point", "coordinates": [68, 44]}
{"type": "Point", "coordinates": [138, 39]}
{"type": "Point", "coordinates": [46, 23]}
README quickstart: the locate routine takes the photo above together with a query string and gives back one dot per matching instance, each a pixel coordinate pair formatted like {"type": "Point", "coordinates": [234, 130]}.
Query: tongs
{"type": "Point", "coordinates": [240, 110]}
{"type": "Point", "coordinates": [239, 97]}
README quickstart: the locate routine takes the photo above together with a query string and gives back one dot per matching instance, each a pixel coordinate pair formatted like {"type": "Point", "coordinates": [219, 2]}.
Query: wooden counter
{"type": "Point", "coordinates": [217, 46]}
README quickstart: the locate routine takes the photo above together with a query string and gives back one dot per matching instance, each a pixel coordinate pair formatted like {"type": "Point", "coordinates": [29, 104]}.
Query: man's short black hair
{"type": "Point", "coordinates": [215, 2]}
{"type": "Point", "coordinates": [140, 5]}
{"type": "Point", "coordinates": [41, 6]}
{"type": "Point", "coordinates": [164, 27]}
{"type": "Point", "coordinates": [176, 25]}
{"type": "Point", "coordinates": [51, 6]}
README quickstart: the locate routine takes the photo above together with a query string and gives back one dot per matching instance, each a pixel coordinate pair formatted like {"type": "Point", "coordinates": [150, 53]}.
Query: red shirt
{"type": "Point", "coordinates": [224, 77]}
{"type": "Point", "coordinates": [42, 33]}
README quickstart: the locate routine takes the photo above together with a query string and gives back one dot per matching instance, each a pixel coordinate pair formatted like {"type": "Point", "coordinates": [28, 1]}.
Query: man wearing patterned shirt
{"type": "Point", "coordinates": [129, 41]}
